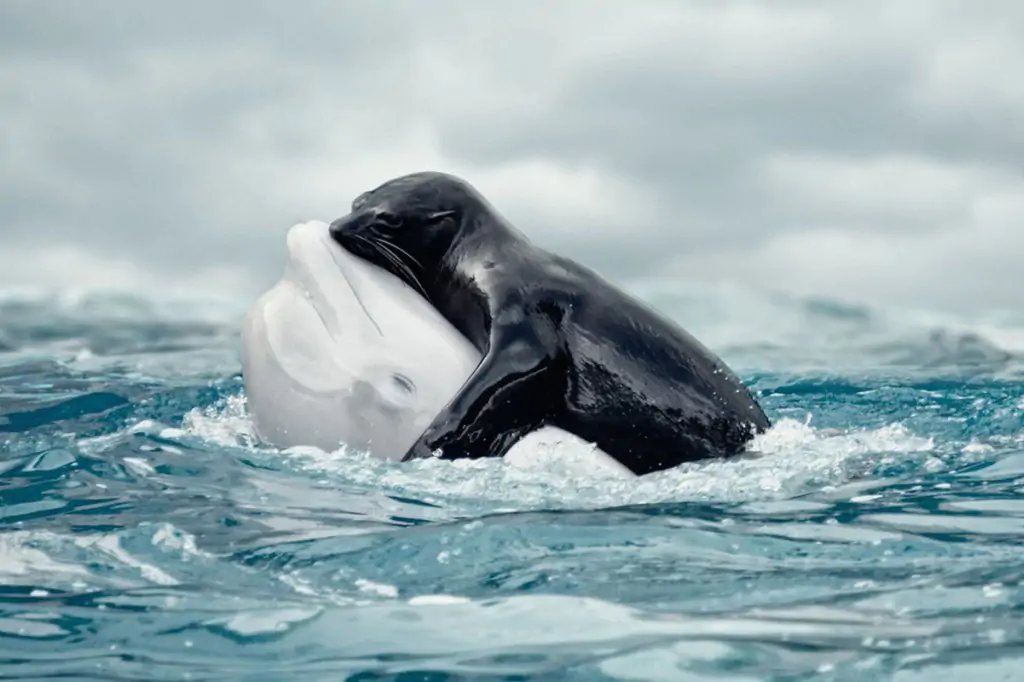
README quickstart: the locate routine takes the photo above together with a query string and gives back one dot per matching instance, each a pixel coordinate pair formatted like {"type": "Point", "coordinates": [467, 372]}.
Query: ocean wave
{"type": "Point", "coordinates": [750, 329]}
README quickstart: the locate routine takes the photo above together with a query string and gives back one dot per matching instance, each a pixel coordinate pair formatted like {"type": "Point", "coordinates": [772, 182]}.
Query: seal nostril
{"type": "Point", "coordinates": [336, 228]}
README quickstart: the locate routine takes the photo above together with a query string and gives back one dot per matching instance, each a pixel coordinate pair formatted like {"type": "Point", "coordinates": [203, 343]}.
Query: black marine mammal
{"type": "Point", "coordinates": [560, 345]}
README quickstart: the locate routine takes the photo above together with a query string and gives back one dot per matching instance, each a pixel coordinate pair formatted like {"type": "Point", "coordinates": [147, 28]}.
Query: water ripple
{"type": "Point", "coordinates": [876, 532]}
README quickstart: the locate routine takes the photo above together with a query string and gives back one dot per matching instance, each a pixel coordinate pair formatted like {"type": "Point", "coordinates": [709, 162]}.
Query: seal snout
{"type": "Point", "coordinates": [340, 227]}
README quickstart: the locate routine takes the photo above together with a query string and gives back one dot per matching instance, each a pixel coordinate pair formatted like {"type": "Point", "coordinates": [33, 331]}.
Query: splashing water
{"type": "Point", "coordinates": [875, 532]}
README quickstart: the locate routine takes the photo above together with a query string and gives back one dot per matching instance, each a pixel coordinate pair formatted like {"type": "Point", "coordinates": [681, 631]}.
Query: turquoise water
{"type": "Point", "coordinates": [876, 534]}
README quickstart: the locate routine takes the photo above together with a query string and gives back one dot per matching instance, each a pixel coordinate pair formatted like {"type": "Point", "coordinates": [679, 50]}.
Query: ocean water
{"type": "Point", "coordinates": [875, 533]}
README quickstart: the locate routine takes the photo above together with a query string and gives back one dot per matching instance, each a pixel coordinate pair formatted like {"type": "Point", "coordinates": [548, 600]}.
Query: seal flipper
{"type": "Point", "coordinates": [501, 401]}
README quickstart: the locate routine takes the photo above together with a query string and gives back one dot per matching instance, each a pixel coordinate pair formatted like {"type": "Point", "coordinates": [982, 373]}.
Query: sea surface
{"type": "Point", "coordinates": [875, 533]}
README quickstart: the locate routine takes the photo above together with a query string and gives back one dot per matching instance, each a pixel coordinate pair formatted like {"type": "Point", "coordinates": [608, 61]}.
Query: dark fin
{"type": "Point", "coordinates": [508, 395]}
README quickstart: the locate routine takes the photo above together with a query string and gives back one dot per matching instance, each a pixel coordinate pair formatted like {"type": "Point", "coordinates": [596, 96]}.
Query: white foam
{"type": "Point", "coordinates": [266, 621]}
{"type": "Point", "coordinates": [543, 472]}
{"type": "Point", "coordinates": [26, 558]}
{"type": "Point", "coordinates": [19, 559]}
{"type": "Point", "coordinates": [226, 423]}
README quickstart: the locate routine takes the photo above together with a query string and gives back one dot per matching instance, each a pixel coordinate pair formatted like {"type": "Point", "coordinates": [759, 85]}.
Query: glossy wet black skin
{"type": "Point", "coordinates": [561, 345]}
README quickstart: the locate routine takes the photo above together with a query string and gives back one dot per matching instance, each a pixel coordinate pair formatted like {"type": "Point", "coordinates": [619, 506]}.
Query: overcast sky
{"type": "Point", "coordinates": [872, 150]}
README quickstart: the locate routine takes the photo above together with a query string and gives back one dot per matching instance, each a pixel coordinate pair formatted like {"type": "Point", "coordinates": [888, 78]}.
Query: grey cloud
{"type": "Point", "coordinates": [128, 121]}
{"type": "Point", "coordinates": [698, 133]}
{"type": "Point", "coordinates": [705, 138]}
{"type": "Point", "coordinates": [190, 136]}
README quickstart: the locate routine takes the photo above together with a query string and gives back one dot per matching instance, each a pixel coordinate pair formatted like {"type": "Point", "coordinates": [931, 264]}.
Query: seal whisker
{"type": "Point", "coordinates": [402, 251]}
{"type": "Point", "coordinates": [397, 263]}
{"type": "Point", "coordinates": [383, 249]}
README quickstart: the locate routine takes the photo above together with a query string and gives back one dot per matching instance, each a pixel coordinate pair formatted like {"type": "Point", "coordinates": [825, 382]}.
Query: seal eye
{"type": "Point", "coordinates": [440, 215]}
{"type": "Point", "coordinates": [387, 220]}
